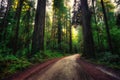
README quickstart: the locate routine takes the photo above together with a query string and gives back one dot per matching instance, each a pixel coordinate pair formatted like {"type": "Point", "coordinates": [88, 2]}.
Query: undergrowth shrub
{"type": "Point", "coordinates": [10, 64]}
{"type": "Point", "coordinates": [109, 59]}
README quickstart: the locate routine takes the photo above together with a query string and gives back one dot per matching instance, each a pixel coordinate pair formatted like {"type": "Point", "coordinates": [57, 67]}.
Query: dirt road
{"type": "Point", "coordinates": [64, 69]}
{"type": "Point", "coordinates": [68, 68]}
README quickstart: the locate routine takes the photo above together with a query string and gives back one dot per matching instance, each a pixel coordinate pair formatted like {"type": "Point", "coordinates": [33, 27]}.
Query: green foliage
{"type": "Point", "coordinates": [108, 59]}
{"type": "Point", "coordinates": [59, 5]}
{"type": "Point", "coordinates": [48, 54]}
{"type": "Point", "coordinates": [54, 54]}
{"type": "Point", "coordinates": [10, 64]}
{"type": "Point", "coordinates": [38, 57]}
{"type": "Point", "coordinates": [115, 33]}
{"type": "Point", "coordinates": [65, 47]}
{"type": "Point", "coordinates": [103, 55]}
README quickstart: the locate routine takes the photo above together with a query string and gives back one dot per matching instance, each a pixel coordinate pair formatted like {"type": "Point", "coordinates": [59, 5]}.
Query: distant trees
{"type": "Point", "coordinates": [107, 27]}
{"type": "Point", "coordinates": [17, 21]}
{"type": "Point", "coordinates": [61, 31]}
{"type": "Point", "coordinates": [59, 9]}
{"type": "Point", "coordinates": [4, 11]}
{"type": "Point", "coordinates": [17, 24]}
{"type": "Point", "coordinates": [99, 13]}
{"type": "Point", "coordinates": [117, 13]}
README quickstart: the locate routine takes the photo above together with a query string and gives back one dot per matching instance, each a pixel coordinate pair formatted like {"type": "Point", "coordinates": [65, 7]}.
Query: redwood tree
{"type": "Point", "coordinates": [38, 34]}
{"type": "Point", "coordinates": [87, 31]}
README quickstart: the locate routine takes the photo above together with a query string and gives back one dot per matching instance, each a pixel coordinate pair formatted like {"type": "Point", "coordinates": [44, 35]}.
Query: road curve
{"type": "Point", "coordinates": [64, 69]}
{"type": "Point", "coordinates": [67, 68]}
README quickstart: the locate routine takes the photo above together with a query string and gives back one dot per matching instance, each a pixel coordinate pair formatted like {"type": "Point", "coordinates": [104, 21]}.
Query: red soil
{"type": "Point", "coordinates": [32, 70]}
{"type": "Point", "coordinates": [94, 72]}
{"type": "Point", "coordinates": [83, 70]}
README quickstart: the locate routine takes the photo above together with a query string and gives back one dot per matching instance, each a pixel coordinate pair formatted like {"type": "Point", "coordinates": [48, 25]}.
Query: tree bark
{"type": "Point", "coordinates": [39, 27]}
{"type": "Point", "coordinates": [87, 31]}
{"type": "Point", "coordinates": [59, 33]}
{"type": "Point", "coordinates": [70, 38]}
{"type": "Point", "coordinates": [70, 34]}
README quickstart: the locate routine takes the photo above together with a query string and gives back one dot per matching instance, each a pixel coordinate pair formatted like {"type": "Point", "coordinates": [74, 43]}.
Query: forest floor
{"type": "Point", "coordinates": [67, 68]}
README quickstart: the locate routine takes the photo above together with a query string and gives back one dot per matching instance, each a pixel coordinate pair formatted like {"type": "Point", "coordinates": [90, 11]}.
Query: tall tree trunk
{"type": "Point", "coordinates": [38, 34]}
{"type": "Point", "coordinates": [70, 33]}
{"type": "Point", "coordinates": [70, 38]}
{"type": "Point", "coordinates": [53, 30]}
{"type": "Point", "coordinates": [17, 18]}
{"type": "Point", "coordinates": [59, 33]}
{"type": "Point", "coordinates": [87, 31]}
{"type": "Point", "coordinates": [27, 30]}
{"type": "Point", "coordinates": [66, 24]}
{"type": "Point", "coordinates": [107, 27]}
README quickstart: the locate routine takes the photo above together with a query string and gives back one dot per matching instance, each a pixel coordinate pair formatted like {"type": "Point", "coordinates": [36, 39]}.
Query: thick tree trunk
{"type": "Point", "coordinates": [107, 27]}
{"type": "Point", "coordinates": [38, 34]}
{"type": "Point", "coordinates": [87, 31]}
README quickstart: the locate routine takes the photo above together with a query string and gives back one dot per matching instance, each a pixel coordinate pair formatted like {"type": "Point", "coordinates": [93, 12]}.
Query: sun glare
{"type": "Point", "coordinates": [74, 33]}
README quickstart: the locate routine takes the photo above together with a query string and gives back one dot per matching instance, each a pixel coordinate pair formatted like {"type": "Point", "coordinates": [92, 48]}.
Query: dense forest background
{"type": "Point", "coordinates": [34, 31]}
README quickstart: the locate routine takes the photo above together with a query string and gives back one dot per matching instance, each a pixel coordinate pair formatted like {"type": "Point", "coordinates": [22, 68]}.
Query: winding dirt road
{"type": "Point", "coordinates": [68, 68]}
